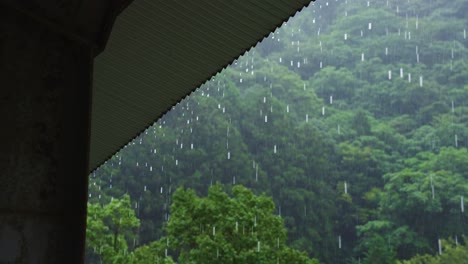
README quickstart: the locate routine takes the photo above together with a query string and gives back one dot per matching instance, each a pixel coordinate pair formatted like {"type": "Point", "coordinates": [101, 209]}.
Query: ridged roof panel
{"type": "Point", "coordinates": [160, 51]}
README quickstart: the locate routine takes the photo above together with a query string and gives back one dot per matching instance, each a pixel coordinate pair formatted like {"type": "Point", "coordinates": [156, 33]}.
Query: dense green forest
{"type": "Point", "coordinates": [348, 126]}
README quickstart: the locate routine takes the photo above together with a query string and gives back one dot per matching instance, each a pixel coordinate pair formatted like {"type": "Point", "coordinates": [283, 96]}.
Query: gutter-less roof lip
{"type": "Point", "coordinates": [269, 20]}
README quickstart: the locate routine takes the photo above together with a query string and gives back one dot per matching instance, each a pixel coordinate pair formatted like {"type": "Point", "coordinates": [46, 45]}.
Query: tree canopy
{"type": "Point", "coordinates": [348, 125]}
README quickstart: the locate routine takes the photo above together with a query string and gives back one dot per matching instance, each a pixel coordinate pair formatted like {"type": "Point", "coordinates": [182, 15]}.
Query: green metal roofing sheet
{"type": "Point", "coordinates": [160, 51]}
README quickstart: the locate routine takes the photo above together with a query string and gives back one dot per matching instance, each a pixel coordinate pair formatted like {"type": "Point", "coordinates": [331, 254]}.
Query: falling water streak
{"type": "Point", "coordinates": [456, 140]}
{"type": "Point", "coordinates": [214, 230]}
{"type": "Point", "coordinates": [266, 119]}
{"type": "Point", "coordinates": [331, 99]}
{"type": "Point", "coordinates": [462, 204]}
{"type": "Point", "coordinates": [339, 242]}
{"type": "Point", "coordinates": [323, 110]}
{"type": "Point", "coordinates": [389, 75]}
{"type": "Point", "coordinates": [409, 77]}
{"type": "Point", "coordinates": [345, 187]}
{"type": "Point", "coordinates": [274, 149]}
{"type": "Point", "coordinates": [307, 118]}
{"type": "Point", "coordinates": [258, 246]}
{"type": "Point", "coordinates": [420, 81]}
{"type": "Point", "coordinates": [362, 56]}
{"type": "Point", "coordinates": [401, 73]}
{"type": "Point", "coordinates": [433, 192]}
{"type": "Point", "coordinates": [439, 242]}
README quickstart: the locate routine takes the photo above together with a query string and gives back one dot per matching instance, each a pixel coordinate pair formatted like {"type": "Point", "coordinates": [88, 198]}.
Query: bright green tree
{"type": "Point", "coordinates": [451, 253]}
{"type": "Point", "coordinates": [109, 227]}
{"type": "Point", "coordinates": [223, 229]}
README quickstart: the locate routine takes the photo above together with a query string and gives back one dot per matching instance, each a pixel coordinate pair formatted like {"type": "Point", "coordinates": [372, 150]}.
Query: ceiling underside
{"type": "Point", "coordinates": [160, 51]}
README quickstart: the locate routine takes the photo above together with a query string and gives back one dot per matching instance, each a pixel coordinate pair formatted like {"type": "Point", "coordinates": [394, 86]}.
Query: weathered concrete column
{"type": "Point", "coordinates": [45, 106]}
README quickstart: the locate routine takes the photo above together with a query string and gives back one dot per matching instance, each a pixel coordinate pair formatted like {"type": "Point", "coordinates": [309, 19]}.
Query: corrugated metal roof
{"type": "Point", "coordinates": [159, 51]}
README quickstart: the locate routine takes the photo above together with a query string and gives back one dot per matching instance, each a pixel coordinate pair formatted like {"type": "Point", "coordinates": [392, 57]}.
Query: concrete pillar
{"type": "Point", "coordinates": [45, 104]}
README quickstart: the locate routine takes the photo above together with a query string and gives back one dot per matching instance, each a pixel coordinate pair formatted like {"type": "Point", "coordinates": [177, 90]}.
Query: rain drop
{"type": "Point", "coordinates": [462, 204]}
{"type": "Point", "coordinates": [439, 242]}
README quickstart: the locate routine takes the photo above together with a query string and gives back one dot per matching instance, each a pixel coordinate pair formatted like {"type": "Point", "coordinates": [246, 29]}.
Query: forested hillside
{"type": "Point", "coordinates": [352, 117]}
